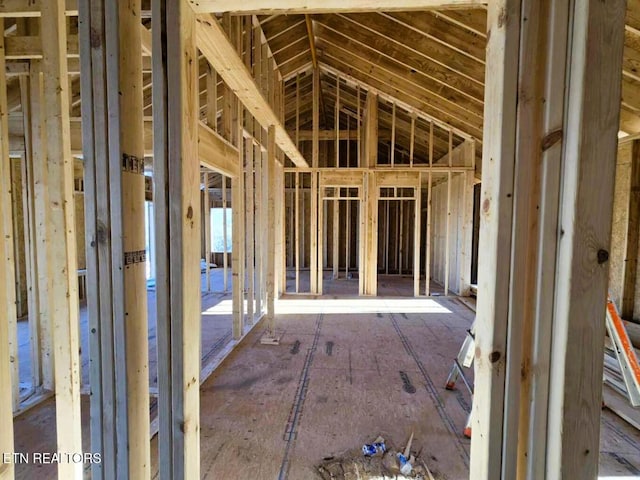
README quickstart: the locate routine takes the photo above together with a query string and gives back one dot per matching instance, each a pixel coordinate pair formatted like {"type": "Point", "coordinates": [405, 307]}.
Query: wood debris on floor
{"type": "Point", "coordinates": [378, 460]}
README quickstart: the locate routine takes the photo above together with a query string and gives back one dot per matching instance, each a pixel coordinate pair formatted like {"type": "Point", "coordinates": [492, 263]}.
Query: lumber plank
{"type": "Point", "coordinates": [177, 200]}
{"type": "Point", "coordinates": [249, 162]}
{"type": "Point", "coordinates": [497, 181]}
{"type": "Point", "coordinates": [237, 237]}
{"type": "Point", "coordinates": [592, 137]}
{"type": "Point", "coordinates": [62, 265]}
{"type": "Point", "coordinates": [20, 8]}
{"type": "Point", "coordinates": [216, 153]}
{"type": "Point", "coordinates": [262, 7]}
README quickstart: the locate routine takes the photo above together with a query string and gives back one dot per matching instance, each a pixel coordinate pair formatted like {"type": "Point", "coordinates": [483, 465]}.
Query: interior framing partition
{"type": "Point", "coordinates": [546, 217]}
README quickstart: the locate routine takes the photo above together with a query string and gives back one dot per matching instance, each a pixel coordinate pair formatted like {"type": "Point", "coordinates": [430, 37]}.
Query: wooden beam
{"type": "Point", "coordinates": [312, 42]}
{"type": "Point", "coordinates": [7, 278]}
{"type": "Point", "coordinates": [326, 135]}
{"type": "Point", "coordinates": [30, 48]}
{"type": "Point", "coordinates": [62, 265]}
{"type": "Point", "coordinates": [215, 46]}
{"type": "Point", "coordinates": [260, 7]}
{"type": "Point", "coordinates": [19, 8]}
{"type": "Point", "coordinates": [177, 199]}
{"type": "Point", "coordinates": [216, 153]}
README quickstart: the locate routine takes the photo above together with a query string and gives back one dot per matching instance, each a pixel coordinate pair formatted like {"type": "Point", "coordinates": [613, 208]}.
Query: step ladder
{"type": "Point", "coordinates": [463, 360]}
{"type": "Point", "coordinates": [621, 366]}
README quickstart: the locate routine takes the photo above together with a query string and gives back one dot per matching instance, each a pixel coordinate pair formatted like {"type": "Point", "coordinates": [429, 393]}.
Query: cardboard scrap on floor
{"type": "Point", "coordinates": [378, 460]}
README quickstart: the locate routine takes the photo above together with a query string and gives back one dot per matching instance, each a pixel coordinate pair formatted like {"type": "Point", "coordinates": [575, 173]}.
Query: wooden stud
{"type": "Point", "coordinates": [207, 233]}
{"type": "Point", "coordinates": [281, 246]}
{"type": "Point", "coordinates": [237, 237]}
{"type": "Point", "coordinates": [633, 234]}
{"type": "Point", "coordinates": [249, 230]}
{"type": "Point", "coordinates": [371, 134]}
{"type": "Point", "coordinates": [337, 121]}
{"type": "Point", "coordinates": [212, 98]}
{"type": "Point", "coordinates": [322, 234]}
{"type": "Point", "coordinates": [315, 266]}
{"type": "Point", "coordinates": [176, 196]}
{"type": "Point", "coordinates": [393, 134]}
{"type": "Point", "coordinates": [371, 236]}
{"type": "Point", "coordinates": [116, 268]}
{"type": "Point", "coordinates": [225, 235]}
{"type": "Point", "coordinates": [134, 285]}
{"type": "Point", "coordinates": [336, 238]}
{"type": "Point", "coordinates": [416, 236]}
{"type": "Point", "coordinates": [412, 140]}
{"type": "Point", "coordinates": [427, 254]}
{"type": "Point", "coordinates": [8, 240]}
{"type": "Point", "coordinates": [362, 235]}
{"type": "Point", "coordinates": [527, 192]}
{"type": "Point", "coordinates": [359, 135]}
{"type": "Point", "coordinates": [260, 253]}
{"type": "Point", "coordinates": [7, 282]}
{"type": "Point", "coordinates": [298, 244]}
{"type": "Point", "coordinates": [31, 254]}
{"type": "Point", "coordinates": [62, 265]}
{"type": "Point", "coordinates": [297, 110]}
{"type": "Point", "coordinates": [271, 230]}
{"type": "Point", "coordinates": [466, 237]}
{"type": "Point", "coordinates": [447, 237]}
{"type": "Point", "coordinates": [387, 234]}
{"type": "Point", "coordinates": [347, 254]}
{"type": "Point", "coordinates": [592, 114]}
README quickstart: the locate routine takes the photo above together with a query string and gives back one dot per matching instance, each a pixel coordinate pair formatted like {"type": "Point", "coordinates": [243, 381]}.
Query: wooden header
{"type": "Point", "coordinates": [325, 6]}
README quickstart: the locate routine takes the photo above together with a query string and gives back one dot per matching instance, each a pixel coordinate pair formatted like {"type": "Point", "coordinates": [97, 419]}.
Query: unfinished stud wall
{"type": "Point", "coordinates": [17, 195]}
{"type": "Point", "coordinates": [624, 284]}
{"type": "Point", "coordinates": [455, 215]}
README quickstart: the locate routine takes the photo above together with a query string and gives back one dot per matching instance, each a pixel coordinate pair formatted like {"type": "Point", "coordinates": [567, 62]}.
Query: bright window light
{"type": "Point", "coordinates": [314, 306]}
{"type": "Point", "coordinates": [217, 235]}
{"type": "Point", "coordinates": [310, 306]}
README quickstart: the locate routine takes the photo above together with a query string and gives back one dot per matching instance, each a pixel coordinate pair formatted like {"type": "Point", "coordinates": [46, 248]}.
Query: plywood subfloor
{"type": "Point", "coordinates": [334, 382]}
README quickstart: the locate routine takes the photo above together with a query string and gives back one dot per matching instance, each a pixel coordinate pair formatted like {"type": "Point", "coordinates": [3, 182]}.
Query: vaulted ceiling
{"type": "Point", "coordinates": [430, 64]}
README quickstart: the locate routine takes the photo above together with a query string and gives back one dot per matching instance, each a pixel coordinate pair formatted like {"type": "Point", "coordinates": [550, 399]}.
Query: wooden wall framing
{"type": "Point", "coordinates": [545, 242]}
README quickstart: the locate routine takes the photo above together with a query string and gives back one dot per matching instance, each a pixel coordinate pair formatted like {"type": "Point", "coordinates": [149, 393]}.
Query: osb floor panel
{"type": "Point", "coordinates": [274, 412]}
